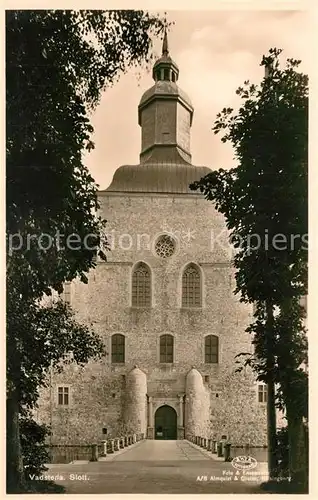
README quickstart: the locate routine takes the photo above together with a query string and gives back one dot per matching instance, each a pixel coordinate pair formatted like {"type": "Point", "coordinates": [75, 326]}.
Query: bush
{"type": "Point", "coordinates": [282, 452]}
{"type": "Point", "coordinates": [34, 450]}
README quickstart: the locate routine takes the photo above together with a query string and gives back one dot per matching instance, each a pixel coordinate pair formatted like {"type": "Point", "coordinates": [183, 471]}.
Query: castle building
{"type": "Point", "coordinates": [163, 303]}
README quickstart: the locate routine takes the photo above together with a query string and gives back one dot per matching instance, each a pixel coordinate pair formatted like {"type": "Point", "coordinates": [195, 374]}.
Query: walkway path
{"type": "Point", "coordinates": [151, 450]}
{"type": "Point", "coordinates": [154, 467]}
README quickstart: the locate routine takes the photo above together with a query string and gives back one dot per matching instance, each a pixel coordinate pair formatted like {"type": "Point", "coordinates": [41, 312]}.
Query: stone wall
{"type": "Point", "coordinates": [96, 402]}
{"type": "Point", "coordinates": [98, 390]}
{"type": "Point", "coordinates": [235, 411]}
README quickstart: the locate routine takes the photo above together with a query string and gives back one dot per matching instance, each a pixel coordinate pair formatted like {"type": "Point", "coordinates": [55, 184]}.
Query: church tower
{"type": "Point", "coordinates": [165, 114]}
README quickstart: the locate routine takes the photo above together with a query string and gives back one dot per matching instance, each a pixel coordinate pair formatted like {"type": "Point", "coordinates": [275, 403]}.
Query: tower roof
{"type": "Point", "coordinates": [165, 62]}
{"type": "Point", "coordinates": [165, 48]}
{"type": "Point", "coordinates": [157, 177]}
{"type": "Point", "coordinates": [136, 373]}
{"type": "Point", "coordinates": [165, 116]}
{"type": "Point", "coordinates": [166, 89]}
{"type": "Point", "coordinates": [194, 379]}
{"type": "Point", "coordinates": [165, 72]}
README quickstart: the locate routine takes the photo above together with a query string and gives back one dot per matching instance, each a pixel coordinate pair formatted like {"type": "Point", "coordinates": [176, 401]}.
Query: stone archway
{"type": "Point", "coordinates": [166, 423]}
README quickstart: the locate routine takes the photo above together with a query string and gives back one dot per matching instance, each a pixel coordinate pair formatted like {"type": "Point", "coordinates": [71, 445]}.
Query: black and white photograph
{"type": "Point", "coordinates": [157, 251]}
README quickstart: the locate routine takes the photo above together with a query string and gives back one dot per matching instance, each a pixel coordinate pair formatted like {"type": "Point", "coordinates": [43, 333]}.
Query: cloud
{"type": "Point", "coordinates": [220, 56]}
{"type": "Point", "coordinates": [255, 31]}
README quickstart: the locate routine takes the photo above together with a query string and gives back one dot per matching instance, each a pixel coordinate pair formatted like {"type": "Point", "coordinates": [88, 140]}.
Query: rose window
{"type": "Point", "coordinates": [165, 246]}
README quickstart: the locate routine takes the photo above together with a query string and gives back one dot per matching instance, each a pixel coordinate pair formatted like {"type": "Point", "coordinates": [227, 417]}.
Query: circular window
{"type": "Point", "coordinates": [165, 246]}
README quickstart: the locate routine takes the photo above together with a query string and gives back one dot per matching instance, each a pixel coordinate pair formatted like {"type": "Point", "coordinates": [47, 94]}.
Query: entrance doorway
{"type": "Point", "coordinates": [166, 423]}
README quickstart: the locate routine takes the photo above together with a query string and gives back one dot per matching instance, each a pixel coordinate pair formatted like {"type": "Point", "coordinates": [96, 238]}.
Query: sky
{"type": "Point", "coordinates": [215, 51]}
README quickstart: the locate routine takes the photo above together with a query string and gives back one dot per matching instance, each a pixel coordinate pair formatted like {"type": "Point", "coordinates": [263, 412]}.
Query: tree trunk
{"type": "Point", "coordinates": [298, 452]}
{"type": "Point", "coordinates": [271, 408]}
{"type": "Point", "coordinates": [298, 458]}
{"type": "Point", "coordinates": [15, 471]}
{"type": "Point", "coordinates": [271, 431]}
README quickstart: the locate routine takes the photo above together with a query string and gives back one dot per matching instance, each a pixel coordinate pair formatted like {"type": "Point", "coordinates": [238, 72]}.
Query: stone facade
{"type": "Point", "coordinates": [209, 398]}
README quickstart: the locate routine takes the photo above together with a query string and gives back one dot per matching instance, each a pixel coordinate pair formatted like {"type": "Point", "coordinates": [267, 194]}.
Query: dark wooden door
{"type": "Point", "coordinates": [166, 423]}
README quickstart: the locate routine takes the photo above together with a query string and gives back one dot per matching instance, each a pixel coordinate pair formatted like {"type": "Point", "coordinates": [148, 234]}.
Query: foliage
{"type": "Point", "coordinates": [265, 197]}
{"type": "Point", "coordinates": [34, 451]}
{"type": "Point", "coordinates": [57, 64]}
{"type": "Point", "coordinates": [264, 201]}
{"type": "Point", "coordinates": [267, 194]}
{"type": "Point", "coordinates": [283, 449]}
{"type": "Point", "coordinates": [35, 455]}
{"type": "Point", "coordinates": [46, 334]}
{"type": "Point", "coordinates": [283, 483]}
{"type": "Point", "coordinates": [292, 362]}
{"type": "Point", "coordinates": [288, 329]}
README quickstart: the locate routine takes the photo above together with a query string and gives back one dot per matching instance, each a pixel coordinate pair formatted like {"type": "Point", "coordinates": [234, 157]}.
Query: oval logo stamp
{"type": "Point", "coordinates": [244, 462]}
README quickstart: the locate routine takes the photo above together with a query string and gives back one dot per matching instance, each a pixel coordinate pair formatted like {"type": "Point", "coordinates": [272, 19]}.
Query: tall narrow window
{"type": "Point", "coordinates": [141, 286]}
{"type": "Point", "coordinates": [118, 348]}
{"type": "Point", "coordinates": [191, 287]}
{"type": "Point", "coordinates": [166, 349]}
{"type": "Point", "coordinates": [63, 394]}
{"type": "Point", "coordinates": [262, 393]}
{"type": "Point", "coordinates": [211, 349]}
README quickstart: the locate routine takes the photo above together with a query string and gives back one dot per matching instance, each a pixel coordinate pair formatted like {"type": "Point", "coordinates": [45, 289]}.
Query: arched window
{"type": "Point", "coordinates": [166, 349]}
{"type": "Point", "coordinates": [118, 348]}
{"type": "Point", "coordinates": [141, 286]}
{"type": "Point", "coordinates": [191, 287]}
{"type": "Point", "coordinates": [211, 349]}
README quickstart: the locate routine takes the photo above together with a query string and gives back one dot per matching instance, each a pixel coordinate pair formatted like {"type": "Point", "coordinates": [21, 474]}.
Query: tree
{"type": "Point", "coordinates": [264, 201]}
{"type": "Point", "coordinates": [57, 65]}
{"type": "Point", "coordinates": [44, 336]}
